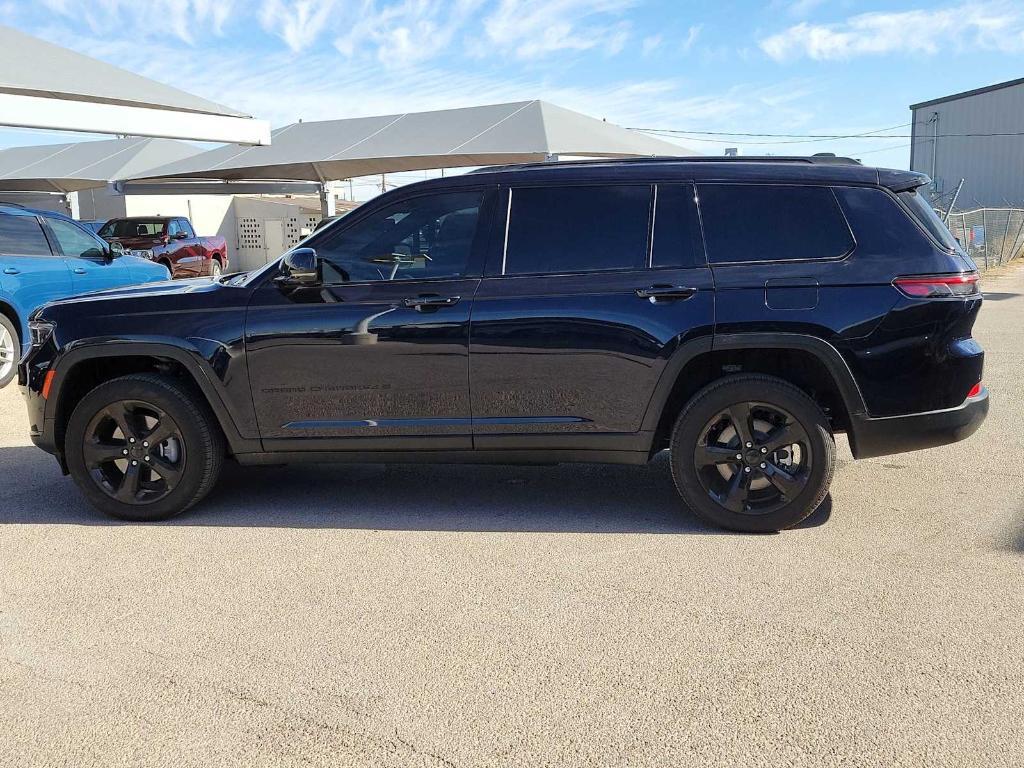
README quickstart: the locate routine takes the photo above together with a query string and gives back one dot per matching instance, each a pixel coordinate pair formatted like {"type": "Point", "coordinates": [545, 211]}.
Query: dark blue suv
{"type": "Point", "coordinates": [736, 312]}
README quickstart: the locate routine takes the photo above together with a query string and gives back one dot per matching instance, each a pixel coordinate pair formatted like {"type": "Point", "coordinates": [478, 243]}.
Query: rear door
{"type": "Point", "coordinates": [588, 292]}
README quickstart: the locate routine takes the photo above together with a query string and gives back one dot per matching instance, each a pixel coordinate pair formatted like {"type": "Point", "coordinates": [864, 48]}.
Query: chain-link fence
{"type": "Point", "coordinates": [991, 236]}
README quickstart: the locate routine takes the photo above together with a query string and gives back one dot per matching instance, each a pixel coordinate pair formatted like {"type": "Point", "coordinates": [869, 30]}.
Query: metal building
{"type": "Point", "coordinates": [977, 136]}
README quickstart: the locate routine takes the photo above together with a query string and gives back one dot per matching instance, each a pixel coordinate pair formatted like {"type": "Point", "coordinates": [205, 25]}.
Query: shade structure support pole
{"type": "Point", "coordinates": [327, 207]}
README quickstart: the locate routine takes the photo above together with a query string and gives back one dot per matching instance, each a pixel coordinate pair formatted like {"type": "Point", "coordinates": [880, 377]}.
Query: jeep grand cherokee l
{"type": "Point", "coordinates": [737, 313]}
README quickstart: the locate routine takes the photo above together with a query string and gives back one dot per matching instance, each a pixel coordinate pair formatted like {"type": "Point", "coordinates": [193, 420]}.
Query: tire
{"type": "Point", "coordinates": [10, 351]}
{"type": "Point", "coordinates": [768, 487]}
{"type": "Point", "coordinates": [215, 269]}
{"type": "Point", "coordinates": [113, 420]}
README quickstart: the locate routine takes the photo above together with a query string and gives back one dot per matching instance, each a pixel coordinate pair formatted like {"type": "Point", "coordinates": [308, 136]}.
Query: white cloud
{"type": "Point", "coordinates": [691, 37]}
{"type": "Point", "coordinates": [651, 44]}
{"type": "Point", "coordinates": [299, 22]}
{"type": "Point", "coordinates": [535, 28]}
{"type": "Point", "coordinates": [187, 20]}
{"type": "Point", "coordinates": [983, 25]}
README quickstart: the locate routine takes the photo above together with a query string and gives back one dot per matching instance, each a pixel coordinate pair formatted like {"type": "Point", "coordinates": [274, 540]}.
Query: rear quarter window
{"type": "Point", "coordinates": [766, 222]}
{"type": "Point", "coordinates": [926, 216]}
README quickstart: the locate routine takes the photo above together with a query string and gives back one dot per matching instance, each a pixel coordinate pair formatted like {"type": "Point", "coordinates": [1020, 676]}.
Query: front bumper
{"type": "Point", "coordinates": [913, 432]}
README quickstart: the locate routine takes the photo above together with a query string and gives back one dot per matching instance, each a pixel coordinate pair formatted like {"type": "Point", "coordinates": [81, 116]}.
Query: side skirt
{"type": "Point", "coordinates": [445, 457]}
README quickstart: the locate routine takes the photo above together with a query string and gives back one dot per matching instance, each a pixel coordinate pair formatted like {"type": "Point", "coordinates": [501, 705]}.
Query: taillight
{"type": "Point", "coordinates": [939, 286]}
{"type": "Point", "coordinates": [975, 390]}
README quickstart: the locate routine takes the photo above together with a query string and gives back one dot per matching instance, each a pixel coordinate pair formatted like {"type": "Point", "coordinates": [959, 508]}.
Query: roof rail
{"type": "Point", "coordinates": [13, 205]}
{"type": "Point", "coordinates": [822, 159]}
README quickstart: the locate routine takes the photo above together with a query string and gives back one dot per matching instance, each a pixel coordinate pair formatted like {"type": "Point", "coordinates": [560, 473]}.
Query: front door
{"type": "Point", "coordinates": [86, 256]}
{"type": "Point", "coordinates": [591, 291]}
{"type": "Point", "coordinates": [376, 356]}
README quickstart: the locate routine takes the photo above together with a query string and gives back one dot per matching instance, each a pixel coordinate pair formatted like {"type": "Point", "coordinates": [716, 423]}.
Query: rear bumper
{"type": "Point", "coordinates": [913, 432]}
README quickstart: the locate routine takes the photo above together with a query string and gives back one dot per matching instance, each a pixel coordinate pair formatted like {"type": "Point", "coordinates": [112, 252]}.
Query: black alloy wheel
{"type": "Point", "coordinates": [752, 453]}
{"type": "Point", "coordinates": [144, 447]}
{"type": "Point", "coordinates": [134, 451]}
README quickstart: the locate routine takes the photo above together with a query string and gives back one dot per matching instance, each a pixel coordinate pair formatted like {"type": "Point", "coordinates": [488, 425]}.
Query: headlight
{"type": "Point", "coordinates": [144, 254]}
{"type": "Point", "coordinates": [40, 331]}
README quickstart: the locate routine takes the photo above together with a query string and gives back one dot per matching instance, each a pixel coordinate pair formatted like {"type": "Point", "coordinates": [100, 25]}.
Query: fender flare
{"type": "Point", "coordinates": [189, 357]}
{"type": "Point", "coordinates": [821, 349]}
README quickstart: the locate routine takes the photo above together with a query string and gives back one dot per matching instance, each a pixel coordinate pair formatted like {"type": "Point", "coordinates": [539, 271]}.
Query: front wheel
{"type": "Point", "coordinates": [215, 269]}
{"type": "Point", "coordinates": [752, 453]}
{"type": "Point", "coordinates": [10, 347]}
{"type": "Point", "coordinates": [143, 447]}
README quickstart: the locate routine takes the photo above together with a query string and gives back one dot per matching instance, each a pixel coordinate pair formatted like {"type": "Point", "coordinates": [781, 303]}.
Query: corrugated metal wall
{"type": "Point", "coordinates": [993, 166]}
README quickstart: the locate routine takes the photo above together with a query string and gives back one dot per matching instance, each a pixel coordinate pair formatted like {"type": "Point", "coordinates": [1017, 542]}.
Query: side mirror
{"type": "Point", "coordinates": [300, 267]}
{"type": "Point", "coordinates": [179, 235]}
{"type": "Point", "coordinates": [116, 250]}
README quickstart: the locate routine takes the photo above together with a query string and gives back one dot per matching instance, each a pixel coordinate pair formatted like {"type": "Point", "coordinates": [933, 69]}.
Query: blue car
{"type": "Point", "coordinates": [46, 256]}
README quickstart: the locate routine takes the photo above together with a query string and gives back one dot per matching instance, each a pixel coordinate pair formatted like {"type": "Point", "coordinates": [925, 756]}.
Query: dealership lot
{"type": "Point", "coordinates": [419, 615]}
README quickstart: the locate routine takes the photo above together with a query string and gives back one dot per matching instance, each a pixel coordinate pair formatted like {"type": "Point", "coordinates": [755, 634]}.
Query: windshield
{"type": "Point", "coordinates": [133, 228]}
{"type": "Point", "coordinates": [928, 218]}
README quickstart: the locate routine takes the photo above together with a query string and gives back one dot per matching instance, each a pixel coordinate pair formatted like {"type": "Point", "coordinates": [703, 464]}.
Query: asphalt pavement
{"type": "Point", "coordinates": [511, 616]}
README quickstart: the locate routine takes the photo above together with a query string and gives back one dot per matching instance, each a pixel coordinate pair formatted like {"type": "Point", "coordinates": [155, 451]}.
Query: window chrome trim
{"type": "Point", "coordinates": [508, 219]}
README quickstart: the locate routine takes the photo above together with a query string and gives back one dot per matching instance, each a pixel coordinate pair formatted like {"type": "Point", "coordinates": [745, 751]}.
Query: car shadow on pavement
{"type": "Point", "coordinates": [582, 498]}
{"type": "Point", "coordinates": [991, 296]}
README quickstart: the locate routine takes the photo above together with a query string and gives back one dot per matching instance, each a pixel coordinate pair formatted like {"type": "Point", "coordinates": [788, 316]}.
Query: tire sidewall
{"type": "Point", "coordinates": [715, 399]}
{"type": "Point", "coordinates": [167, 400]}
{"type": "Point", "coordinates": [16, 339]}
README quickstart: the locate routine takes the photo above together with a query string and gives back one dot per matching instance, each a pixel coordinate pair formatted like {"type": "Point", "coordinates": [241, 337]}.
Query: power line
{"type": "Point", "coordinates": [777, 135]}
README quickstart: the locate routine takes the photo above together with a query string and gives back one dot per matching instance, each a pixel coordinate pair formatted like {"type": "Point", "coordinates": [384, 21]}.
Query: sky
{"type": "Point", "coordinates": [698, 67]}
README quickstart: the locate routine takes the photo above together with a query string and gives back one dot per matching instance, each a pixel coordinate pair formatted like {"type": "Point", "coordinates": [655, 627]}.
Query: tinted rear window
{"type": "Point", "coordinates": [577, 229]}
{"type": "Point", "coordinates": [677, 240]}
{"type": "Point", "coordinates": [22, 236]}
{"type": "Point", "coordinates": [772, 223]}
{"type": "Point", "coordinates": [132, 228]}
{"type": "Point", "coordinates": [928, 218]}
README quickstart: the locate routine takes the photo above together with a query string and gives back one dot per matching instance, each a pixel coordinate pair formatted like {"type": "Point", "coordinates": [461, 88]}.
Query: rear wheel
{"type": "Point", "coordinates": [752, 453]}
{"type": "Point", "coordinates": [10, 348]}
{"type": "Point", "coordinates": [143, 448]}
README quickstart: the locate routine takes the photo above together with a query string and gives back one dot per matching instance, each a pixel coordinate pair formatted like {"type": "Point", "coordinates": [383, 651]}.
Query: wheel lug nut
{"type": "Point", "coordinates": [134, 463]}
{"type": "Point", "coordinates": [746, 469]}
{"type": "Point", "coordinates": [764, 450]}
{"type": "Point", "coordinates": [145, 444]}
{"type": "Point", "coordinates": [763, 465]}
{"type": "Point", "coordinates": [738, 456]}
{"type": "Point", "coordinates": [750, 445]}
{"type": "Point", "coordinates": [146, 458]}
{"type": "Point", "coordinates": [125, 452]}
{"type": "Point", "coordinates": [131, 439]}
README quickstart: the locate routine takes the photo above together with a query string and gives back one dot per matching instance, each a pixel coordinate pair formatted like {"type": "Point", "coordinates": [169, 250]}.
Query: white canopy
{"type": "Point", "coordinates": [331, 150]}
{"type": "Point", "coordinates": [45, 86]}
{"type": "Point", "coordinates": [67, 168]}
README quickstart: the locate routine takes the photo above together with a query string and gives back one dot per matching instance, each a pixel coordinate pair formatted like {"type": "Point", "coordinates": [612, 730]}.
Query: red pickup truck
{"type": "Point", "coordinates": [171, 241]}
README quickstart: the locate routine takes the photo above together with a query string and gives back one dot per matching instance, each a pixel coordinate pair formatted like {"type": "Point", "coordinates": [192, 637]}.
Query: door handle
{"type": "Point", "coordinates": [430, 302]}
{"type": "Point", "coordinates": [659, 293]}
{"type": "Point", "coordinates": [79, 270]}
{"type": "Point", "coordinates": [12, 271]}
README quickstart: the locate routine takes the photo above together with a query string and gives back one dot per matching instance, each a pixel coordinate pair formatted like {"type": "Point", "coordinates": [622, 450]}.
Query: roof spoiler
{"type": "Point", "coordinates": [901, 181]}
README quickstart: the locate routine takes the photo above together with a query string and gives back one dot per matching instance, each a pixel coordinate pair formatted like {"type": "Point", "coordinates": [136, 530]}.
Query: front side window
{"type": "Point", "coordinates": [421, 238]}
{"type": "Point", "coordinates": [751, 222]}
{"type": "Point", "coordinates": [186, 227]}
{"type": "Point", "coordinates": [22, 236]}
{"type": "Point", "coordinates": [74, 241]}
{"type": "Point", "coordinates": [557, 230]}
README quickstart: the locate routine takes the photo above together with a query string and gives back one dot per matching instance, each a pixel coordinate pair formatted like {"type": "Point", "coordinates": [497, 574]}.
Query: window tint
{"type": "Point", "coordinates": [415, 239]}
{"type": "Point", "coordinates": [577, 229]}
{"type": "Point", "coordinates": [22, 236]}
{"type": "Point", "coordinates": [772, 223]}
{"type": "Point", "coordinates": [185, 226]}
{"type": "Point", "coordinates": [75, 241]}
{"type": "Point", "coordinates": [928, 218]}
{"type": "Point", "coordinates": [677, 239]}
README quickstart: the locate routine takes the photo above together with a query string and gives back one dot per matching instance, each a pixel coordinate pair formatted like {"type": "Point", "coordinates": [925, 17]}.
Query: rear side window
{"type": "Point", "coordinates": [744, 223]}
{"type": "Point", "coordinates": [928, 218]}
{"type": "Point", "coordinates": [677, 239]}
{"type": "Point", "coordinates": [22, 236]}
{"type": "Point", "coordinates": [555, 230]}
